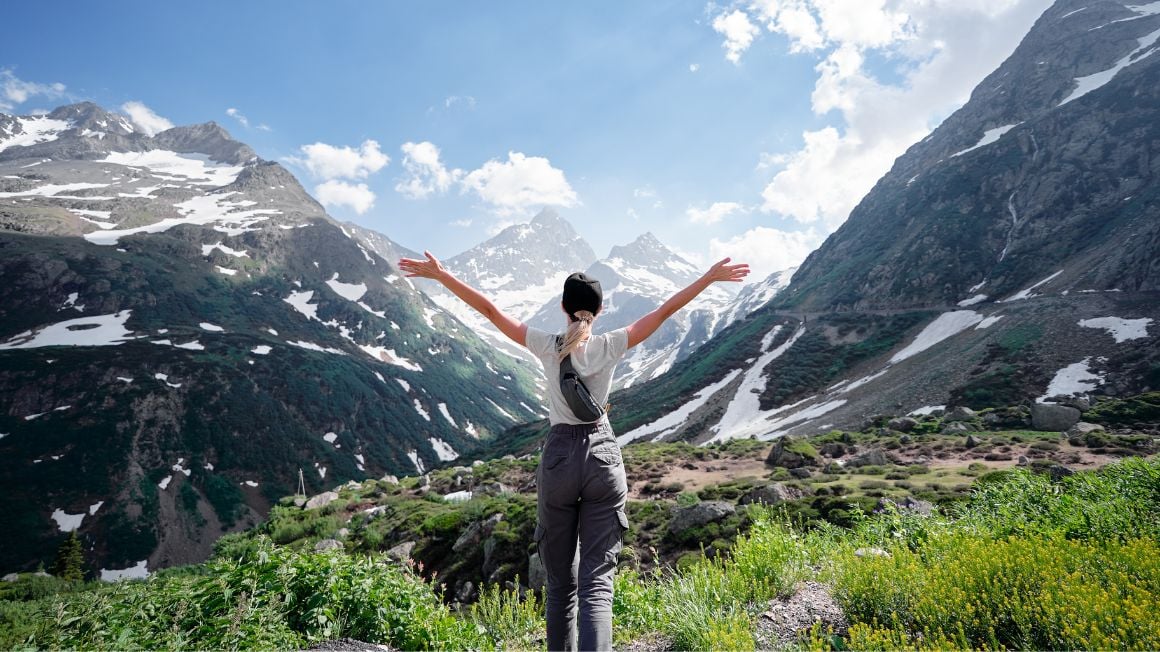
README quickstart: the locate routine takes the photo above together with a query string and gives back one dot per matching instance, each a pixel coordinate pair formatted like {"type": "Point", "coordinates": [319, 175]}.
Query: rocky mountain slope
{"type": "Point", "coordinates": [184, 329]}
{"type": "Point", "coordinates": [1012, 255]}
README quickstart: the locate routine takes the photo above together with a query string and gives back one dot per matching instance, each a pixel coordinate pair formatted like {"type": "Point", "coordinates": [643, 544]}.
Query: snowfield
{"type": "Point", "coordinates": [945, 326]}
{"type": "Point", "coordinates": [1076, 378]}
{"type": "Point", "coordinates": [98, 330]}
{"type": "Point", "coordinates": [1121, 329]}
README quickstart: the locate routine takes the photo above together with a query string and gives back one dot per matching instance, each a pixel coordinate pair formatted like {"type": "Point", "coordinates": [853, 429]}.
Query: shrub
{"type": "Point", "coordinates": [510, 623]}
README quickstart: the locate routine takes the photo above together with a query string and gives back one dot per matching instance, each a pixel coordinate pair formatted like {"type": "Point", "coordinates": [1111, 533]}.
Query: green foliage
{"type": "Point", "coordinates": [509, 622]}
{"type": "Point", "coordinates": [1144, 408]}
{"type": "Point", "coordinates": [274, 598]}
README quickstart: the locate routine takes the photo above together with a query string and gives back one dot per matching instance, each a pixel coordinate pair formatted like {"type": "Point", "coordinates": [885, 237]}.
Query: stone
{"type": "Point", "coordinates": [300, 501]}
{"type": "Point", "coordinates": [788, 619]}
{"type": "Point", "coordinates": [871, 552]}
{"type": "Point", "coordinates": [327, 544]}
{"type": "Point", "coordinates": [424, 482]}
{"type": "Point", "coordinates": [1083, 428]}
{"type": "Point", "coordinates": [465, 591]}
{"type": "Point", "coordinates": [489, 555]}
{"type": "Point", "coordinates": [832, 449]}
{"type": "Point", "coordinates": [700, 514]}
{"type": "Point", "coordinates": [1022, 460]}
{"type": "Point", "coordinates": [770, 494]}
{"type": "Point", "coordinates": [902, 424]}
{"type": "Point", "coordinates": [972, 442]}
{"type": "Point", "coordinates": [321, 500]}
{"type": "Point", "coordinates": [781, 455]}
{"type": "Point", "coordinates": [1059, 472]}
{"type": "Point", "coordinates": [389, 479]}
{"type": "Point", "coordinates": [960, 414]}
{"type": "Point", "coordinates": [11, 577]}
{"type": "Point", "coordinates": [537, 577]}
{"type": "Point", "coordinates": [473, 534]}
{"type": "Point", "coordinates": [402, 552]}
{"type": "Point", "coordinates": [801, 473]}
{"type": "Point", "coordinates": [493, 489]}
{"type": "Point", "coordinates": [956, 428]}
{"type": "Point", "coordinates": [1046, 417]}
{"type": "Point", "coordinates": [343, 533]}
{"type": "Point", "coordinates": [872, 457]}
{"type": "Point", "coordinates": [905, 439]}
{"type": "Point", "coordinates": [915, 505]}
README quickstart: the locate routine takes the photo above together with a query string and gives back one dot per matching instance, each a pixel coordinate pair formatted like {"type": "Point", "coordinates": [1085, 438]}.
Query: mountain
{"type": "Point", "coordinates": [636, 279]}
{"type": "Point", "coordinates": [1012, 256]}
{"type": "Point", "coordinates": [183, 330]}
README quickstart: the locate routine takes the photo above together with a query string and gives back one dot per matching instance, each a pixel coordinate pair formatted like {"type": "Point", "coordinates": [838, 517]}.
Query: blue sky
{"type": "Point", "coordinates": [748, 129]}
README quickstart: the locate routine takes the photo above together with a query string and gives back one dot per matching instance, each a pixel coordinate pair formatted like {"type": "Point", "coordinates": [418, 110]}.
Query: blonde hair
{"type": "Point", "coordinates": [579, 330]}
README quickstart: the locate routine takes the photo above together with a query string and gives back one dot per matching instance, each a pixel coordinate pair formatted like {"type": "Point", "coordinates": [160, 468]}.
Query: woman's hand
{"type": "Point", "coordinates": [723, 271]}
{"type": "Point", "coordinates": [430, 268]}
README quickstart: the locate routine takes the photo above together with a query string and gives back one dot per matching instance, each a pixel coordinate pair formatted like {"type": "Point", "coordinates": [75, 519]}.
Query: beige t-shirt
{"type": "Point", "coordinates": [594, 360]}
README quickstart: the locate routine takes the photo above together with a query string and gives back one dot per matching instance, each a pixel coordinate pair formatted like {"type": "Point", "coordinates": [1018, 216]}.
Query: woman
{"type": "Point", "coordinates": [580, 480]}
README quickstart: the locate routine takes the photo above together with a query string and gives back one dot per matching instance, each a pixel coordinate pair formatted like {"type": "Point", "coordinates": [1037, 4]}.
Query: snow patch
{"type": "Point", "coordinates": [1089, 83]}
{"type": "Point", "coordinates": [330, 437]}
{"type": "Point", "coordinates": [1121, 329]}
{"type": "Point", "coordinates": [673, 420]}
{"type": "Point", "coordinates": [421, 411]}
{"type": "Point", "coordinates": [1075, 378]}
{"type": "Point", "coordinates": [447, 415]}
{"type": "Point", "coordinates": [67, 522]}
{"type": "Point", "coordinates": [978, 298]}
{"type": "Point", "coordinates": [989, 136]}
{"type": "Point", "coordinates": [988, 322]}
{"type": "Point", "coordinates": [925, 410]}
{"type": "Point", "coordinates": [261, 349]}
{"type": "Point", "coordinates": [213, 328]}
{"type": "Point", "coordinates": [1026, 292]}
{"type": "Point", "coordinates": [443, 450]}
{"type": "Point", "coordinates": [946, 325]}
{"type": "Point", "coordinates": [98, 330]}
{"type": "Point", "coordinates": [389, 356]}
{"type": "Point", "coordinates": [501, 410]}
{"type": "Point", "coordinates": [348, 291]}
{"type": "Point", "coordinates": [301, 302]}
{"type": "Point", "coordinates": [236, 253]}
{"type": "Point", "coordinates": [311, 346]}
{"type": "Point", "coordinates": [139, 571]}
{"type": "Point", "coordinates": [417, 461]}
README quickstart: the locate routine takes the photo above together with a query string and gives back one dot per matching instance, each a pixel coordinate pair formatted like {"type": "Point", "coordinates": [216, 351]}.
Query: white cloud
{"type": "Point", "coordinates": [425, 173]}
{"type": "Point", "coordinates": [359, 197]}
{"type": "Point", "coordinates": [738, 32]}
{"type": "Point", "coordinates": [942, 49]}
{"type": "Point", "coordinates": [463, 224]}
{"type": "Point", "coordinates": [632, 213]}
{"type": "Point", "coordinates": [694, 67]}
{"type": "Point", "coordinates": [145, 119]}
{"type": "Point", "coordinates": [329, 162]}
{"type": "Point", "coordinates": [243, 120]}
{"type": "Point", "coordinates": [520, 184]}
{"type": "Point", "coordinates": [466, 100]}
{"type": "Point", "coordinates": [715, 213]}
{"type": "Point", "coordinates": [766, 250]}
{"type": "Point", "coordinates": [16, 91]}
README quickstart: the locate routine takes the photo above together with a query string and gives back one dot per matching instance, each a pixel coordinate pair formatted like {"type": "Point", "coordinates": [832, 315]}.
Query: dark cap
{"type": "Point", "coordinates": [582, 292]}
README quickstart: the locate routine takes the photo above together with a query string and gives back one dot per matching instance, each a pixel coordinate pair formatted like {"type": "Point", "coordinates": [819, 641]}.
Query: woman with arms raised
{"type": "Point", "coordinates": [580, 481]}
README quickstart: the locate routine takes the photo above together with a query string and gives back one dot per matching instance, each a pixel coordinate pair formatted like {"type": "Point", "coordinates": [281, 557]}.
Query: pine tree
{"type": "Point", "coordinates": [70, 560]}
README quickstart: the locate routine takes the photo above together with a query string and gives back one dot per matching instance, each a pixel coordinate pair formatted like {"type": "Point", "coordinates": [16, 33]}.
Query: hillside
{"type": "Point", "coordinates": [1009, 256]}
{"type": "Point", "coordinates": [184, 329]}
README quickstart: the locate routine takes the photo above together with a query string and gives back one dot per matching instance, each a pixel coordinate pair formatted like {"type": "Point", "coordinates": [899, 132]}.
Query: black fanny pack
{"type": "Point", "coordinates": [576, 393]}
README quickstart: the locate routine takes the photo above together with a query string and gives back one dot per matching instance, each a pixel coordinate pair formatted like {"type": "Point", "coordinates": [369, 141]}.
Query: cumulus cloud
{"type": "Point", "coordinates": [694, 67]}
{"type": "Point", "coordinates": [942, 48]}
{"type": "Point", "coordinates": [15, 91]}
{"type": "Point", "coordinates": [243, 120]}
{"type": "Point", "coordinates": [738, 32]}
{"type": "Point", "coordinates": [425, 174]}
{"type": "Point", "coordinates": [148, 122]}
{"type": "Point", "coordinates": [715, 213]}
{"type": "Point", "coordinates": [520, 184]}
{"type": "Point", "coordinates": [358, 197]}
{"type": "Point", "coordinates": [329, 162]}
{"type": "Point", "coordinates": [766, 250]}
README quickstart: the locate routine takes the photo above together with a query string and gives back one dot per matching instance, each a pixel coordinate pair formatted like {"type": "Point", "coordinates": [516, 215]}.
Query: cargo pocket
{"type": "Point", "coordinates": [556, 451]}
{"type": "Point", "coordinates": [608, 464]}
{"type": "Point", "coordinates": [617, 536]}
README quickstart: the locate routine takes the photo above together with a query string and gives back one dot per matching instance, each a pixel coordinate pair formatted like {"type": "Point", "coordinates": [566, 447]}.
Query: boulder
{"type": "Point", "coordinates": [908, 503]}
{"type": "Point", "coordinates": [1059, 472]}
{"type": "Point", "coordinates": [327, 544]}
{"type": "Point", "coordinates": [960, 414]}
{"type": "Point", "coordinates": [476, 532]}
{"type": "Point", "coordinates": [903, 424]}
{"type": "Point", "coordinates": [790, 618]}
{"type": "Point", "coordinates": [972, 442]}
{"type": "Point", "coordinates": [389, 479]}
{"type": "Point", "coordinates": [300, 501]}
{"type": "Point", "coordinates": [402, 552]}
{"type": "Point", "coordinates": [321, 500]}
{"type": "Point", "coordinates": [1053, 418]}
{"type": "Point", "coordinates": [872, 457]}
{"type": "Point", "coordinates": [537, 576]}
{"type": "Point", "coordinates": [493, 489]}
{"type": "Point", "coordinates": [770, 494]}
{"type": "Point", "coordinates": [801, 473]}
{"type": "Point", "coordinates": [697, 515]}
{"type": "Point", "coordinates": [11, 577]}
{"type": "Point", "coordinates": [832, 449]}
{"type": "Point", "coordinates": [1022, 460]}
{"type": "Point", "coordinates": [956, 428]}
{"type": "Point", "coordinates": [465, 591]}
{"type": "Point", "coordinates": [791, 454]}
{"type": "Point", "coordinates": [342, 533]}
{"type": "Point", "coordinates": [1083, 428]}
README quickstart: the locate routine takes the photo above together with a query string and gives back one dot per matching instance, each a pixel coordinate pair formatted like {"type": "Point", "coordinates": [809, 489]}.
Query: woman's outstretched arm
{"type": "Point", "coordinates": [432, 269]}
{"type": "Point", "coordinates": [640, 330]}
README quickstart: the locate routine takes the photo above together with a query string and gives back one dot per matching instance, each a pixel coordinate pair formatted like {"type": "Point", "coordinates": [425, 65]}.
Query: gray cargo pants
{"type": "Point", "coordinates": [582, 492]}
